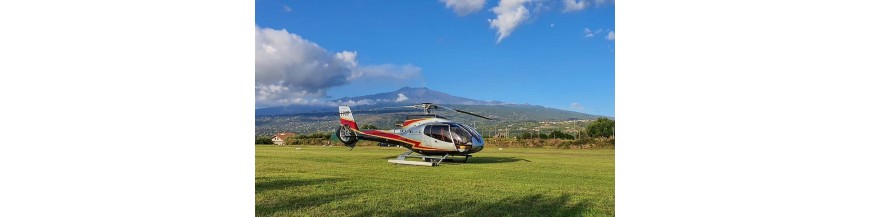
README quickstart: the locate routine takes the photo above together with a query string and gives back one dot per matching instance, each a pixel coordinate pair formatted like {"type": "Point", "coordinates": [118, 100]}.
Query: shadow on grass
{"type": "Point", "coordinates": [472, 160]}
{"type": "Point", "coordinates": [486, 160]}
{"type": "Point", "coordinates": [284, 183]}
{"type": "Point", "coordinates": [531, 205]}
{"type": "Point", "coordinates": [294, 203]}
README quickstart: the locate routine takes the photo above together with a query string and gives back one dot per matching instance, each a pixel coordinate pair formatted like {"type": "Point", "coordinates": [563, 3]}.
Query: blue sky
{"type": "Point", "coordinates": [555, 55]}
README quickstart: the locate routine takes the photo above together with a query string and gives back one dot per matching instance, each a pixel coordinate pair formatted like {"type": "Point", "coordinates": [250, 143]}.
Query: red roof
{"type": "Point", "coordinates": [283, 136]}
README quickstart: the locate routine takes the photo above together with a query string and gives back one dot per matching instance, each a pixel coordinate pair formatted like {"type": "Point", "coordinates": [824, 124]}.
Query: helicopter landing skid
{"type": "Point", "coordinates": [429, 160]}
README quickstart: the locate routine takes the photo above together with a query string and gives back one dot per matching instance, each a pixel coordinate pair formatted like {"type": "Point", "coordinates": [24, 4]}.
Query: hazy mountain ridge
{"type": "Point", "coordinates": [369, 109]}
{"type": "Point", "coordinates": [416, 96]}
{"type": "Point", "coordinates": [403, 96]}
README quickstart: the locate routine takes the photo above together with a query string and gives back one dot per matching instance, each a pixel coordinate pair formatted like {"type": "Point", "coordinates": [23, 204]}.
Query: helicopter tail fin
{"type": "Point", "coordinates": [347, 117]}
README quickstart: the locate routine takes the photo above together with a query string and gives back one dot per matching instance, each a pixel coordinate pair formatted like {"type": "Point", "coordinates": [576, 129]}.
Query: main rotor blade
{"type": "Point", "coordinates": [472, 114]}
{"type": "Point", "coordinates": [464, 112]}
{"type": "Point", "coordinates": [391, 107]}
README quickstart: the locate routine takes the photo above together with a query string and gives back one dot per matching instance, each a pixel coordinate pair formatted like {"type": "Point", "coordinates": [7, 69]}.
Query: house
{"type": "Point", "coordinates": [279, 138]}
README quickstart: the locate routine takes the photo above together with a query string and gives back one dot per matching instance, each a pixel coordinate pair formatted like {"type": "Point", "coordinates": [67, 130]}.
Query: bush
{"type": "Point", "coordinates": [317, 135]}
{"type": "Point", "coordinates": [602, 127]}
{"type": "Point", "coordinates": [263, 140]}
{"type": "Point", "coordinates": [583, 142]}
{"type": "Point", "coordinates": [308, 141]}
{"type": "Point", "coordinates": [560, 135]}
{"type": "Point", "coordinates": [368, 127]}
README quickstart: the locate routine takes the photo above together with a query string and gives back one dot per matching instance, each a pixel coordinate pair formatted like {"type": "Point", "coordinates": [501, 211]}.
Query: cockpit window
{"type": "Point", "coordinates": [452, 133]}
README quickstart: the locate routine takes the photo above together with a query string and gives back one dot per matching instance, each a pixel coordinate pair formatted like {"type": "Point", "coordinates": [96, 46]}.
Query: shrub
{"type": "Point", "coordinates": [263, 140]}
{"type": "Point", "coordinates": [602, 127]}
{"type": "Point", "coordinates": [368, 127]}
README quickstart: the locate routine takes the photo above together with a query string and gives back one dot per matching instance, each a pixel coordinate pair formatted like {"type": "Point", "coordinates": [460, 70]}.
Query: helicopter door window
{"type": "Point", "coordinates": [439, 132]}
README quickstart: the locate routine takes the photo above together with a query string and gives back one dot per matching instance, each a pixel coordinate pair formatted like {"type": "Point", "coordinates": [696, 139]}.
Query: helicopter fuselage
{"type": "Point", "coordinates": [429, 136]}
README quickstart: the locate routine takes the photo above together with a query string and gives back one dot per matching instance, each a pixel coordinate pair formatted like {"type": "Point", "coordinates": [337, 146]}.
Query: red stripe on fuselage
{"type": "Point", "coordinates": [382, 134]}
{"type": "Point", "coordinates": [409, 122]}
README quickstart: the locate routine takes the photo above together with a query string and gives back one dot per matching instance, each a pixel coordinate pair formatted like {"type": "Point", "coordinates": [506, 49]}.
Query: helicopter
{"type": "Point", "coordinates": [433, 137]}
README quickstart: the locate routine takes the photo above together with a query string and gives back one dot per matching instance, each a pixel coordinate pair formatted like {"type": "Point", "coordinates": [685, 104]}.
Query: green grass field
{"type": "Point", "coordinates": [332, 181]}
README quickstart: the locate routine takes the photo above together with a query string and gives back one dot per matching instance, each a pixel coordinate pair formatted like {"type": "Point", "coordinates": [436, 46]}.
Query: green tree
{"type": "Point", "coordinates": [602, 127]}
{"type": "Point", "coordinates": [368, 127]}
{"type": "Point", "coordinates": [263, 140]}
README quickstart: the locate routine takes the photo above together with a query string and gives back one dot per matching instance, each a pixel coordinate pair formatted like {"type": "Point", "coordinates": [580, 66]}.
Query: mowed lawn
{"type": "Point", "coordinates": [332, 181]}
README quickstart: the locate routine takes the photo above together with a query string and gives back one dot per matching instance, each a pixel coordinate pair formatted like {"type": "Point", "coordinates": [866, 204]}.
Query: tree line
{"type": "Point", "coordinates": [600, 128]}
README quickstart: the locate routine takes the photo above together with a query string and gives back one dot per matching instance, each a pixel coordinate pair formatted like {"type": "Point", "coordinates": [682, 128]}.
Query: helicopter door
{"type": "Point", "coordinates": [440, 133]}
{"type": "Point", "coordinates": [461, 138]}
{"type": "Point", "coordinates": [450, 135]}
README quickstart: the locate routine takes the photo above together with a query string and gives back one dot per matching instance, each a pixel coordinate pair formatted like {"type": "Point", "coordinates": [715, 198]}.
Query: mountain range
{"type": "Point", "coordinates": [400, 97]}
{"type": "Point", "coordinates": [379, 109]}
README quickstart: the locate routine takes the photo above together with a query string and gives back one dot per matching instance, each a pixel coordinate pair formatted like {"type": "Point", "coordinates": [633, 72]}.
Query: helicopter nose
{"type": "Point", "coordinates": [476, 145]}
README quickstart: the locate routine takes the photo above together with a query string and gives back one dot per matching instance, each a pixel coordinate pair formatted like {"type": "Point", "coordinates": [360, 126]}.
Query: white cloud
{"type": "Point", "coordinates": [610, 36]}
{"type": "Point", "coordinates": [401, 98]}
{"type": "Point", "coordinates": [464, 7]}
{"type": "Point", "coordinates": [571, 5]}
{"type": "Point", "coordinates": [589, 33]}
{"type": "Point", "coordinates": [353, 103]}
{"type": "Point", "coordinates": [552, 25]}
{"type": "Point", "coordinates": [540, 7]}
{"type": "Point", "coordinates": [348, 57]}
{"type": "Point", "coordinates": [292, 70]}
{"type": "Point", "coordinates": [509, 15]}
{"type": "Point", "coordinates": [318, 102]}
{"type": "Point", "coordinates": [290, 67]}
{"type": "Point", "coordinates": [576, 106]}
{"type": "Point", "coordinates": [288, 9]}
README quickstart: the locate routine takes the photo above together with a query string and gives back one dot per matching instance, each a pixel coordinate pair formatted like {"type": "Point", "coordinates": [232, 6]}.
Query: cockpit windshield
{"type": "Point", "coordinates": [460, 135]}
{"type": "Point", "coordinates": [473, 132]}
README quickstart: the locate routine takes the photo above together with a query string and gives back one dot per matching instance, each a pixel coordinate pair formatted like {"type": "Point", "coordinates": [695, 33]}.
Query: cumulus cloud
{"type": "Point", "coordinates": [401, 98]}
{"type": "Point", "coordinates": [464, 7]}
{"type": "Point", "coordinates": [576, 106]}
{"type": "Point", "coordinates": [292, 70]}
{"type": "Point", "coordinates": [289, 68]}
{"type": "Point", "coordinates": [571, 5]}
{"type": "Point", "coordinates": [610, 36]}
{"type": "Point", "coordinates": [509, 15]}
